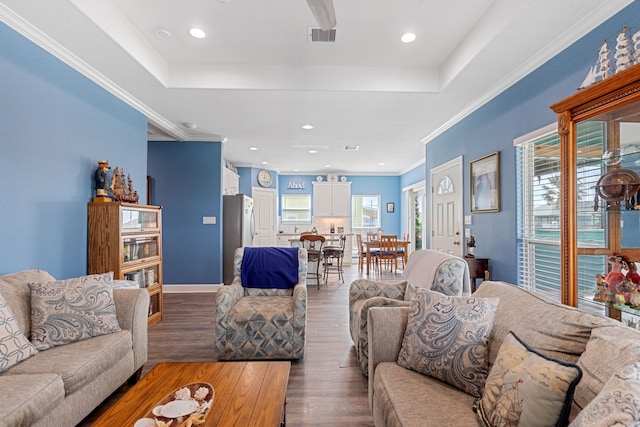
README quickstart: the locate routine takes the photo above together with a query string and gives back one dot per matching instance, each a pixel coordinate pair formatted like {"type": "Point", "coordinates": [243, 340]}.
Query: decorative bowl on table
{"type": "Point", "coordinates": [188, 405]}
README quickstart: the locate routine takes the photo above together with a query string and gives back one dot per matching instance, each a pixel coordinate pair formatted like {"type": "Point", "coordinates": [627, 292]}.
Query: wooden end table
{"type": "Point", "coordinates": [246, 393]}
{"type": "Point", "coordinates": [478, 269]}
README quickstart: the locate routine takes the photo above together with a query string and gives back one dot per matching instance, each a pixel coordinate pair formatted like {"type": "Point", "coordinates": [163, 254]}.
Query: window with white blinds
{"type": "Point", "coordinates": [296, 208]}
{"type": "Point", "coordinates": [538, 202]}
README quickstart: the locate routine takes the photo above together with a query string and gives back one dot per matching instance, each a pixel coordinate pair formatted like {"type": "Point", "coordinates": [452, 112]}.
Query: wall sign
{"type": "Point", "coordinates": [295, 185]}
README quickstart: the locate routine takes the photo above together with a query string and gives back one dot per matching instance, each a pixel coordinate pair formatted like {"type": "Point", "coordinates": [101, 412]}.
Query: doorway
{"type": "Point", "coordinates": [415, 201]}
{"type": "Point", "coordinates": [446, 207]}
{"type": "Point", "coordinates": [264, 207]}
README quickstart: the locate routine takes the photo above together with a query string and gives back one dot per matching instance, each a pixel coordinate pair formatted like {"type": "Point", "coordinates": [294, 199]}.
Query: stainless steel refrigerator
{"type": "Point", "coordinates": [238, 228]}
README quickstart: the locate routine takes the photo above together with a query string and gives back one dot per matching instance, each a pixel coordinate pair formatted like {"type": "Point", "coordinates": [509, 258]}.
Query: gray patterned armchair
{"type": "Point", "coordinates": [263, 313]}
{"type": "Point", "coordinates": [425, 268]}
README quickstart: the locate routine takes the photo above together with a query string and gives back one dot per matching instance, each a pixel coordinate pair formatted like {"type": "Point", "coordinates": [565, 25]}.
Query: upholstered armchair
{"type": "Point", "coordinates": [425, 268]}
{"type": "Point", "coordinates": [263, 313]}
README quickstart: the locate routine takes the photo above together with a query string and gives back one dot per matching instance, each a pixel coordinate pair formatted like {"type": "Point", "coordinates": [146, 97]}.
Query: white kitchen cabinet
{"type": "Point", "coordinates": [230, 182]}
{"type": "Point", "coordinates": [331, 199]}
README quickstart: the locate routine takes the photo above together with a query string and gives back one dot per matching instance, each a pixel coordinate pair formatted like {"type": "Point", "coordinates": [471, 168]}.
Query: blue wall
{"type": "Point", "coordinates": [188, 185]}
{"type": "Point", "coordinates": [415, 175]}
{"type": "Point", "coordinates": [521, 109]}
{"type": "Point", "coordinates": [54, 126]}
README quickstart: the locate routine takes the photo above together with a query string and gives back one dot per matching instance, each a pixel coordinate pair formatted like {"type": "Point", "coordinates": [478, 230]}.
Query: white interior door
{"type": "Point", "coordinates": [446, 207]}
{"type": "Point", "coordinates": [264, 207]}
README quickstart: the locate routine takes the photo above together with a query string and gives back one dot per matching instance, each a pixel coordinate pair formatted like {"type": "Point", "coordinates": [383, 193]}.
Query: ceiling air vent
{"type": "Point", "coordinates": [351, 147]}
{"type": "Point", "coordinates": [320, 35]}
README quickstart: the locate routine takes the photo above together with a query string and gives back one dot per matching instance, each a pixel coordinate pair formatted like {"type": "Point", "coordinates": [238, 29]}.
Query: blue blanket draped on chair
{"type": "Point", "coordinates": [270, 268]}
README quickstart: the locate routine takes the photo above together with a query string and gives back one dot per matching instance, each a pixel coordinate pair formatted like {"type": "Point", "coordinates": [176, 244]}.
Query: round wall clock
{"type": "Point", "coordinates": [264, 178]}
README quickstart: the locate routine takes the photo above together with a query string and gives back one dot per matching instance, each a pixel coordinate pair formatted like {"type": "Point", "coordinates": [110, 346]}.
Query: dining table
{"type": "Point", "coordinates": [375, 244]}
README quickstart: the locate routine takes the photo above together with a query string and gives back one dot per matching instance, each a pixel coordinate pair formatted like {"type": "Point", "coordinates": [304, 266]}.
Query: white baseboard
{"type": "Point", "coordinates": [189, 289]}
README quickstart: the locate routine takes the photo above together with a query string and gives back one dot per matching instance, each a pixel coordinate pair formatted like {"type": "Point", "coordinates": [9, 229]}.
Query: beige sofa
{"type": "Point", "coordinates": [62, 385]}
{"type": "Point", "coordinates": [401, 397]}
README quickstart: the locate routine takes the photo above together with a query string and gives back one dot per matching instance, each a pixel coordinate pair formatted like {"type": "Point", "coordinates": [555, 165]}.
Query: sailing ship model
{"type": "Point", "coordinates": [122, 190]}
{"type": "Point", "coordinates": [625, 56]}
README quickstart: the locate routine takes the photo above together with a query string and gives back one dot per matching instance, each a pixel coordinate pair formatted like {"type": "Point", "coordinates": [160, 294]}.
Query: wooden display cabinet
{"type": "Point", "coordinates": [126, 238]}
{"type": "Point", "coordinates": [599, 129]}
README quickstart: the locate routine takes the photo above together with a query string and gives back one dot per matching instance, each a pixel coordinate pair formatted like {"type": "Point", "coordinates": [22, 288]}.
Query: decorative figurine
{"type": "Point", "coordinates": [633, 272]}
{"type": "Point", "coordinates": [102, 185]}
{"type": "Point", "coordinates": [615, 277]}
{"type": "Point", "coordinates": [471, 246]}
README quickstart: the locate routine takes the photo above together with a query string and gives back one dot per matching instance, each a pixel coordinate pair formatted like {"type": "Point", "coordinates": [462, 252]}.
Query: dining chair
{"type": "Point", "coordinates": [362, 253]}
{"type": "Point", "coordinates": [372, 235]}
{"type": "Point", "coordinates": [388, 254]}
{"type": "Point", "coordinates": [313, 243]}
{"type": "Point", "coordinates": [401, 250]}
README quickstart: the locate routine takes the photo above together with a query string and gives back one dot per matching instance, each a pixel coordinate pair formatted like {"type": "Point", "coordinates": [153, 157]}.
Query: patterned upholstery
{"type": "Point", "coordinates": [261, 324]}
{"type": "Point", "coordinates": [448, 274]}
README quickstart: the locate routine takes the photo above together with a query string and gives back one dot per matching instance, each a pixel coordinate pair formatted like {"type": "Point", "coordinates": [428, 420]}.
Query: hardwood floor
{"type": "Point", "coordinates": [326, 387]}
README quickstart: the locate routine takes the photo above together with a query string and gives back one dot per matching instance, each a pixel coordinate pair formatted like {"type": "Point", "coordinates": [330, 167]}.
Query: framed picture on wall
{"type": "Point", "coordinates": [390, 207]}
{"type": "Point", "coordinates": [485, 183]}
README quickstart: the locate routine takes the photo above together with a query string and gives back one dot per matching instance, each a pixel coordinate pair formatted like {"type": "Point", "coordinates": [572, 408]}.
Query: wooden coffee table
{"type": "Point", "coordinates": [246, 393]}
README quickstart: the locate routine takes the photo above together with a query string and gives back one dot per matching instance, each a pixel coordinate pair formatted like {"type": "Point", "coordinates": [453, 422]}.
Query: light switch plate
{"type": "Point", "coordinates": [467, 220]}
{"type": "Point", "coordinates": [467, 232]}
{"type": "Point", "coordinates": [208, 219]}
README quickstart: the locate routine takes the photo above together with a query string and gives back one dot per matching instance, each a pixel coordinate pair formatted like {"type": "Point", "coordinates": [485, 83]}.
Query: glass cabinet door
{"type": "Point", "coordinates": [144, 277]}
{"type": "Point", "coordinates": [139, 248]}
{"type": "Point", "coordinates": [138, 220]}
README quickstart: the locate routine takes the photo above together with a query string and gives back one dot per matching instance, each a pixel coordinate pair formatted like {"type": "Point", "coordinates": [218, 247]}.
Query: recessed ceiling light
{"type": "Point", "coordinates": [253, 148]}
{"type": "Point", "coordinates": [190, 125]}
{"type": "Point", "coordinates": [225, 140]}
{"type": "Point", "coordinates": [296, 170]}
{"type": "Point", "coordinates": [380, 164]}
{"type": "Point", "coordinates": [265, 163]}
{"type": "Point", "coordinates": [313, 151]}
{"type": "Point", "coordinates": [197, 33]}
{"type": "Point", "coordinates": [307, 127]}
{"type": "Point", "coordinates": [408, 37]}
{"type": "Point", "coordinates": [327, 166]}
{"type": "Point", "coordinates": [162, 33]}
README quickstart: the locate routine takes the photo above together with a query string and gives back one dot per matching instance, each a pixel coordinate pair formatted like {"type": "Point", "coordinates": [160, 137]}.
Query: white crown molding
{"type": "Point", "coordinates": [581, 27]}
{"type": "Point", "coordinates": [18, 24]}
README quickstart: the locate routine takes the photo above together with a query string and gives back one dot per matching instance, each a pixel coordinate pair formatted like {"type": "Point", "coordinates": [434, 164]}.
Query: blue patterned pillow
{"type": "Point", "coordinates": [446, 338]}
{"type": "Point", "coordinates": [617, 404]}
{"type": "Point", "coordinates": [527, 388]}
{"type": "Point", "coordinates": [71, 310]}
{"type": "Point", "coordinates": [14, 346]}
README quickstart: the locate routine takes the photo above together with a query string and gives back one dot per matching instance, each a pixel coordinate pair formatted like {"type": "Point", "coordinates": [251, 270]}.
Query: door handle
{"type": "Point", "coordinates": [456, 242]}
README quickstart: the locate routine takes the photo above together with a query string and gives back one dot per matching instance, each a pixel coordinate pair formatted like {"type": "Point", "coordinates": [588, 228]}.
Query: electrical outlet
{"type": "Point", "coordinates": [208, 219]}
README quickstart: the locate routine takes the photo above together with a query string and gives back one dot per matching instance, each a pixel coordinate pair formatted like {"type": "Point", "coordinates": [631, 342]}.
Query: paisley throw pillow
{"type": "Point", "coordinates": [446, 338]}
{"type": "Point", "coordinates": [71, 310]}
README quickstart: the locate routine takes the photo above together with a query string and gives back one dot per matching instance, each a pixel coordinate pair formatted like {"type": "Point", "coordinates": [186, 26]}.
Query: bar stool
{"type": "Point", "coordinates": [313, 244]}
{"type": "Point", "coordinates": [333, 256]}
